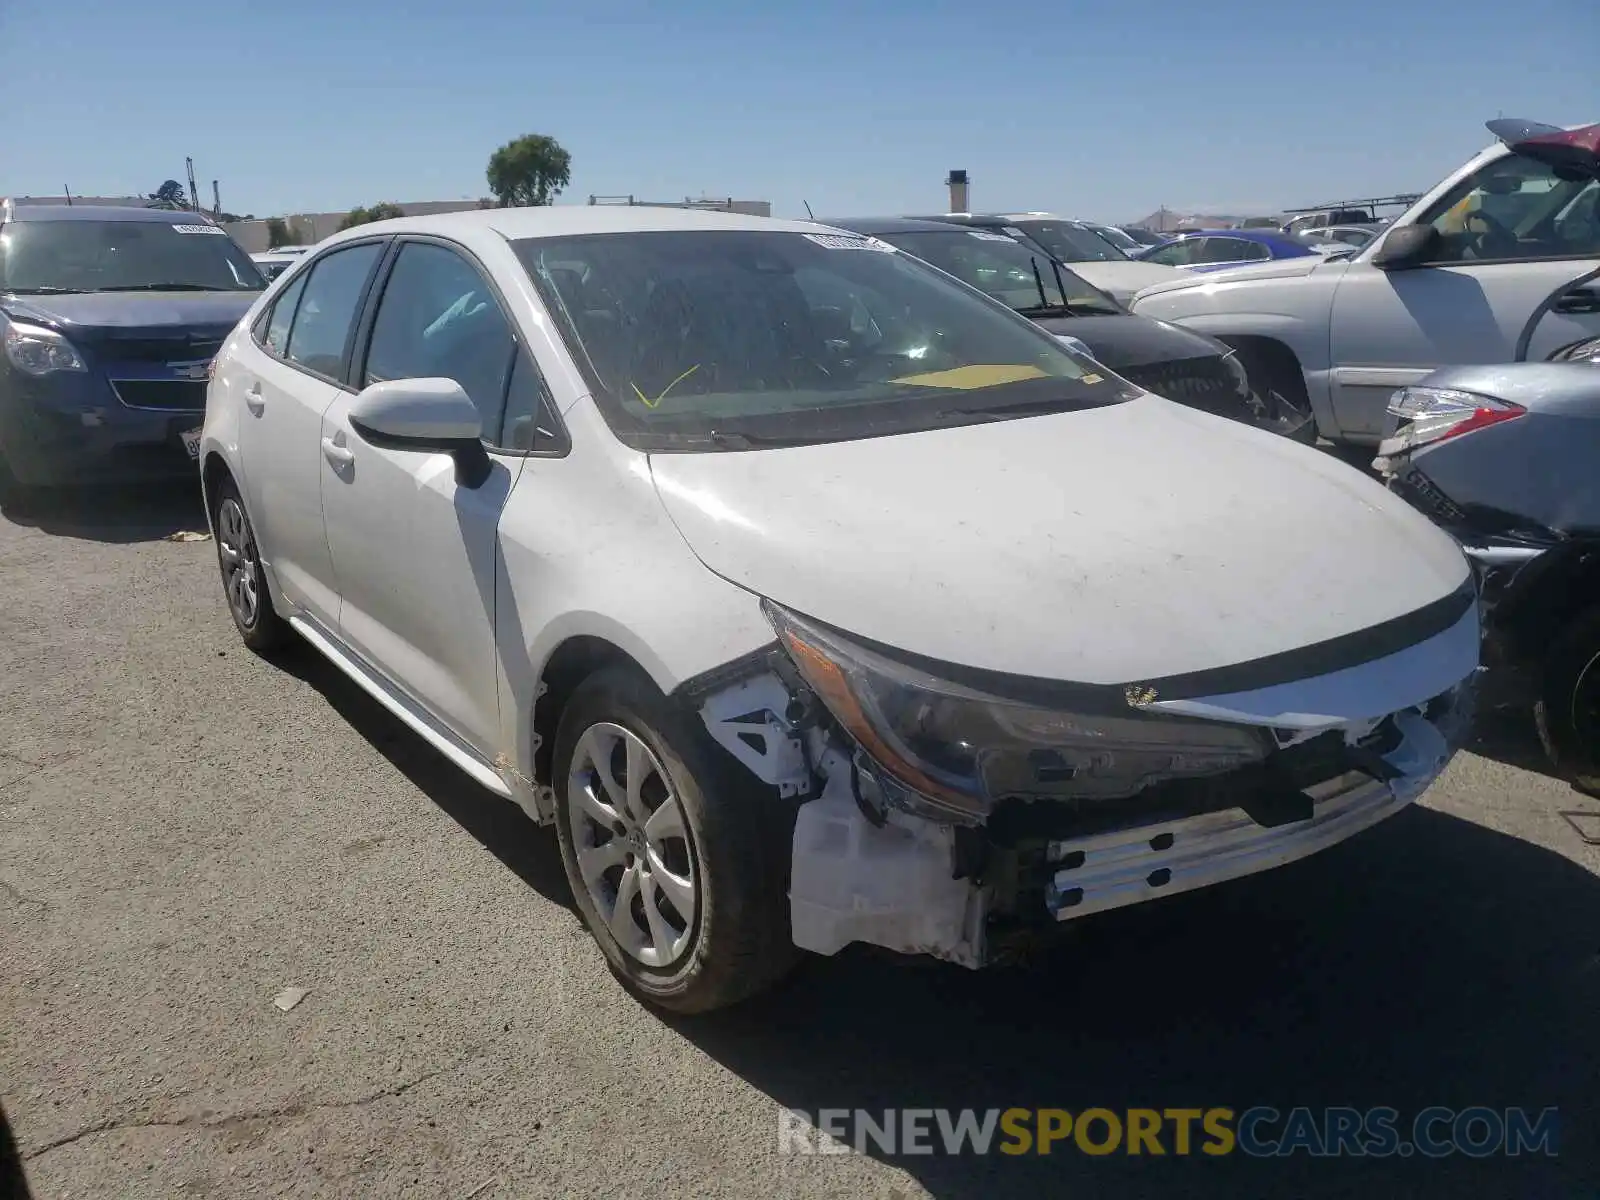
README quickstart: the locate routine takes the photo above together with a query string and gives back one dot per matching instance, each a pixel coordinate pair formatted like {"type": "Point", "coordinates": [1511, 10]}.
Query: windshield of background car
{"type": "Point", "coordinates": [1002, 267]}
{"type": "Point", "coordinates": [733, 339]}
{"type": "Point", "coordinates": [99, 256]}
{"type": "Point", "coordinates": [1070, 243]}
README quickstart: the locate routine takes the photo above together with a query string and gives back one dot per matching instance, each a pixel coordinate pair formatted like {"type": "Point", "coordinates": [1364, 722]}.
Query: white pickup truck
{"type": "Point", "coordinates": [1343, 335]}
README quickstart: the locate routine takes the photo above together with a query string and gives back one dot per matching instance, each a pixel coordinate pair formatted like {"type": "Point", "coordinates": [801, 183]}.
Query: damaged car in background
{"type": "Point", "coordinates": [814, 597]}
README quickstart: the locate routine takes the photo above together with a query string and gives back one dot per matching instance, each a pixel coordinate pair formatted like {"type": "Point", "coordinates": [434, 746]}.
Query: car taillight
{"type": "Point", "coordinates": [1432, 414]}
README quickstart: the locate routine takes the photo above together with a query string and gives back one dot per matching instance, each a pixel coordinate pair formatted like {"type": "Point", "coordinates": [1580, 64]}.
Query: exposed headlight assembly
{"type": "Point", "coordinates": [35, 350]}
{"type": "Point", "coordinates": [959, 750]}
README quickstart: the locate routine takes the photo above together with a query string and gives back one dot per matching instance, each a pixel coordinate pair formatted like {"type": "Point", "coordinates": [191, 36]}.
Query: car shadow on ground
{"type": "Point", "coordinates": [120, 514]}
{"type": "Point", "coordinates": [498, 824]}
{"type": "Point", "coordinates": [1429, 961]}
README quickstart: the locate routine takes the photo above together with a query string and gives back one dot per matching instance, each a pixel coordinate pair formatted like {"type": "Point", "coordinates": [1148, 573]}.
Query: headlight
{"type": "Point", "coordinates": [35, 350]}
{"type": "Point", "coordinates": [1241, 377]}
{"type": "Point", "coordinates": [1587, 351]}
{"type": "Point", "coordinates": [961, 749]}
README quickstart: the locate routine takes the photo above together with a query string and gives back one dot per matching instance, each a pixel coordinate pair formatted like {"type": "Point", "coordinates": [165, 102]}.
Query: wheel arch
{"type": "Point", "coordinates": [1538, 612]}
{"type": "Point", "coordinates": [572, 661]}
{"type": "Point", "coordinates": [213, 471]}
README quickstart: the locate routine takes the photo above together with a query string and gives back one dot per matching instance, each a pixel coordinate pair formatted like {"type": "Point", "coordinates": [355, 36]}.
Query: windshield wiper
{"type": "Point", "coordinates": [43, 291]}
{"type": "Point", "coordinates": [729, 440]}
{"type": "Point", "coordinates": [162, 287]}
{"type": "Point", "coordinates": [1021, 408]}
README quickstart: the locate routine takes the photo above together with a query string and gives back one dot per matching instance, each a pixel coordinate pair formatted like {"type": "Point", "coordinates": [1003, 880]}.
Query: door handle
{"type": "Point", "coordinates": [254, 400]}
{"type": "Point", "coordinates": [339, 456]}
{"type": "Point", "coordinates": [1579, 300]}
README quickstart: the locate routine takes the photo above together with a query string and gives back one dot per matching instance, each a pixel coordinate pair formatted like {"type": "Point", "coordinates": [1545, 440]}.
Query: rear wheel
{"type": "Point", "coordinates": [1568, 709]}
{"type": "Point", "coordinates": [243, 581]}
{"type": "Point", "coordinates": [679, 866]}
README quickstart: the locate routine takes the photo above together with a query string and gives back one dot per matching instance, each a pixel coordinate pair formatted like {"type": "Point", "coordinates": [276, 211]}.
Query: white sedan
{"type": "Point", "coordinates": [812, 595]}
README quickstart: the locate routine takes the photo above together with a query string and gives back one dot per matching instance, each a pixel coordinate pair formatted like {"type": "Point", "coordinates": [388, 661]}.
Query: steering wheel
{"type": "Point", "coordinates": [1494, 240]}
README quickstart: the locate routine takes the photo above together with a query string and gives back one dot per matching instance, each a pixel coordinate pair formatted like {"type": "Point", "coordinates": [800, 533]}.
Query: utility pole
{"type": "Point", "coordinates": [216, 200]}
{"type": "Point", "coordinates": [194, 201]}
{"type": "Point", "coordinates": [68, 191]}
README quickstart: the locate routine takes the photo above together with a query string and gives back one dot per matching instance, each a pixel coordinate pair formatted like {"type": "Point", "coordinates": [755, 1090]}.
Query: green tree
{"type": "Point", "coordinates": [279, 234]}
{"type": "Point", "coordinates": [529, 170]}
{"type": "Point", "coordinates": [381, 211]}
{"type": "Point", "coordinates": [169, 195]}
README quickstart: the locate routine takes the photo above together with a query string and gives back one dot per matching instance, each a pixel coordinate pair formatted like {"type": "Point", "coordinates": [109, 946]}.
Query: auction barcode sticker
{"type": "Point", "coordinates": [200, 229]}
{"type": "Point", "coordinates": [839, 241]}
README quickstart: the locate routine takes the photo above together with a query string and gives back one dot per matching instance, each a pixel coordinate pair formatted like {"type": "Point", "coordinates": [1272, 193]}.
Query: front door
{"type": "Point", "coordinates": [1510, 234]}
{"type": "Point", "coordinates": [415, 552]}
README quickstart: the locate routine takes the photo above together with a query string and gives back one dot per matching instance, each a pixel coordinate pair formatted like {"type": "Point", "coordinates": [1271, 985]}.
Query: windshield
{"type": "Point", "coordinates": [1117, 238]}
{"type": "Point", "coordinates": [1071, 243]}
{"type": "Point", "coordinates": [1003, 267]}
{"type": "Point", "coordinates": [102, 256]}
{"type": "Point", "coordinates": [736, 339]}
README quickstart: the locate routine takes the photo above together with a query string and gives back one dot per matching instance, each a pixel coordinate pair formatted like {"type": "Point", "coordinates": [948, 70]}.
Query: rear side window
{"type": "Point", "coordinates": [438, 318]}
{"type": "Point", "coordinates": [327, 308]}
{"type": "Point", "coordinates": [275, 336]}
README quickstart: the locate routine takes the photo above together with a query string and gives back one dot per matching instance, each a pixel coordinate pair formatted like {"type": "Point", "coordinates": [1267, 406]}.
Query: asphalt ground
{"type": "Point", "coordinates": [186, 831]}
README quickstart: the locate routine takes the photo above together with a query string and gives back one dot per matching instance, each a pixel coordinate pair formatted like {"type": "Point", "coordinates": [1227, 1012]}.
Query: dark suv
{"type": "Point", "coordinates": [109, 318]}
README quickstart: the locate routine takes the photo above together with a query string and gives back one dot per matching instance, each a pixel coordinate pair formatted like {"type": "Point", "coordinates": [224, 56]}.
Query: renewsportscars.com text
{"type": "Point", "coordinates": [1258, 1132]}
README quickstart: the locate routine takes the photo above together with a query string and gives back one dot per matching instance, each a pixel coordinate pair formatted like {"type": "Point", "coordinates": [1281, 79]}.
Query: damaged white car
{"type": "Point", "coordinates": [813, 596]}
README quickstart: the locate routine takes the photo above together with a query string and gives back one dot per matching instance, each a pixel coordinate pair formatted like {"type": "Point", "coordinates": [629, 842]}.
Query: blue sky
{"type": "Point", "coordinates": [1096, 108]}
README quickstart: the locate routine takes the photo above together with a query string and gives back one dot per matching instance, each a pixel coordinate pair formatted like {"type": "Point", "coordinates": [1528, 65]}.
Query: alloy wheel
{"type": "Point", "coordinates": [241, 564]}
{"type": "Point", "coordinates": [633, 847]}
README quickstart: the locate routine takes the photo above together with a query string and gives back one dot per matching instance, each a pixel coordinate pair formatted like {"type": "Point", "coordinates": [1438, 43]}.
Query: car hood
{"type": "Point", "coordinates": [1138, 541]}
{"type": "Point", "coordinates": [1281, 268]}
{"type": "Point", "coordinates": [108, 311]}
{"type": "Point", "coordinates": [1129, 341]}
{"type": "Point", "coordinates": [1123, 279]}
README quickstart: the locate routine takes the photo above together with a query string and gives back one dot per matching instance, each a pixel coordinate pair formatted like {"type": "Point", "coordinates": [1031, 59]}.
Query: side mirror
{"type": "Point", "coordinates": [427, 415]}
{"type": "Point", "coordinates": [1406, 247]}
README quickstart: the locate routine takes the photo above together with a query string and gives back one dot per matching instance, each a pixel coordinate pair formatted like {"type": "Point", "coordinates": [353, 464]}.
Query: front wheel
{"type": "Point", "coordinates": [1568, 709]}
{"type": "Point", "coordinates": [1280, 402]}
{"type": "Point", "coordinates": [679, 865]}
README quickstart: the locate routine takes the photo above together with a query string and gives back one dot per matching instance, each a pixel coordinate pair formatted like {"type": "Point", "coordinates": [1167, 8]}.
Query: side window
{"type": "Point", "coordinates": [1175, 254]}
{"type": "Point", "coordinates": [1224, 250]}
{"type": "Point", "coordinates": [275, 334]}
{"type": "Point", "coordinates": [1515, 208]}
{"type": "Point", "coordinates": [530, 421]}
{"type": "Point", "coordinates": [438, 317]}
{"type": "Point", "coordinates": [327, 308]}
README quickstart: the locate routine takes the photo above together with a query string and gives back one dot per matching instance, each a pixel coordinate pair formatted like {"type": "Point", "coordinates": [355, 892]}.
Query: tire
{"type": "Point", "coordinates": [729, 838]}
{"type": "Point", "coordinates": [1568, 708]}
{"type": "Point", "coordinates": [244, 583]}
{"type": "Point", "coordinates": [1281, 388]}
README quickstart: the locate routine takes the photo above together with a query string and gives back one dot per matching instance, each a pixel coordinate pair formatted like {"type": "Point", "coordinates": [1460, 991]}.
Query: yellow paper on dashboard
{"type": "Point", "coordinates": [974, 376]}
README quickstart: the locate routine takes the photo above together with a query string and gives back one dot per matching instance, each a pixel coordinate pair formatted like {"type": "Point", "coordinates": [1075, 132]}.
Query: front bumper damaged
{"type": "Point", "coordinates": [892, 878]}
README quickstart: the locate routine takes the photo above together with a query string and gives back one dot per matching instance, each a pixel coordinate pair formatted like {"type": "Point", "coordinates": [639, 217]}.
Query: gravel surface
{"type": "Point", "coordinates": [186, 832]}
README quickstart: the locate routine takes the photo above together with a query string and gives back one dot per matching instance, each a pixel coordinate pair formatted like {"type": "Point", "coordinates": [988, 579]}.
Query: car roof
{"type": "Point", "coordinates": [567, 220]}
{"type": "Point", "coordinates": [986, 220]}
{"type": "Point", "coordinates": [875, 225]}
{"type": "Point", "coordinates": [101, 212]}
{"type": "Point", "coordinates": [1267, 237]}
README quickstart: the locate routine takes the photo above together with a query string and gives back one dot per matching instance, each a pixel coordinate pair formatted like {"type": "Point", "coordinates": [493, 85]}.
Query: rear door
{"type": "Point", "coordinates": [290, 378]}
{"type": "Point", "coordinates": [1510, 234]}
{"type": "Point", "coordinates": [416, 553]}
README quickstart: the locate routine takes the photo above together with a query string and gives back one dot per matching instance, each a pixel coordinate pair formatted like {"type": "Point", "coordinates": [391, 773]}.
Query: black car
{"type": "Point", "coordinates": [109, 318]}
{"type": "Point", "coordinates": [1187, 367]}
